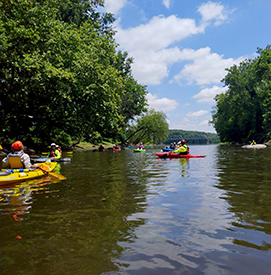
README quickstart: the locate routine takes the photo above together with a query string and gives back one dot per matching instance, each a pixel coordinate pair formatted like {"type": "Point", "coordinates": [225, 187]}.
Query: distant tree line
{"type": "Point", "coordinates": [243, 113]}
{"type": "Point", "coordinates": [61, 76]}
{"type": "Point", "coordinates": [194, 137]}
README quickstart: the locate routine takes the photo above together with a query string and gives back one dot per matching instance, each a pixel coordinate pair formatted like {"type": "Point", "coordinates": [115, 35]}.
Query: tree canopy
{"type": "Point", "coordinates": [152, 127]}
{"type": "Point", "coordinates": [243, 113]}
{"type": "Point", "coordinates": [61, 76]}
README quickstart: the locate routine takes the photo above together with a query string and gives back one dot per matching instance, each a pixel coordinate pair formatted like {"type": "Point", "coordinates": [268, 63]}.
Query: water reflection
{"type": "Point", "coordinates": [16, 199]}
{"type": "Point", "coordinates": [127, 213]}
{"type": "Point", "coordinates": [244, 175]}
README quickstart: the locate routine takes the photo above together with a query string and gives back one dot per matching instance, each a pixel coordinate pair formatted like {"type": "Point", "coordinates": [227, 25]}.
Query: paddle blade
{"type": "Point", "coordinates": [44, 168]}
{"type": "Point", "coordinates": [46, 171]}
{"type": "Point", "coordinates": [58, 176]}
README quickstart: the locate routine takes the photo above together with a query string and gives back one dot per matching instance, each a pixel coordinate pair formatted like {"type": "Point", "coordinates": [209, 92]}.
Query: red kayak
{"type": "Point", "coordinates": [177, 156]}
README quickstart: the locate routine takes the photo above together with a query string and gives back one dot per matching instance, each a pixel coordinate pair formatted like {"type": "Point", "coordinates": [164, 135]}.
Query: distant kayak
{"type": "Point", "coordinates": [139, 150]}
{"type": "Point", "coordinates": [116, 149]}
{"type": "Point", "coordinates": [41, 160]}
{"type": "Point", "coordinates": [255, 146]}
{"type": "Point", "coordinates": [177, 156]}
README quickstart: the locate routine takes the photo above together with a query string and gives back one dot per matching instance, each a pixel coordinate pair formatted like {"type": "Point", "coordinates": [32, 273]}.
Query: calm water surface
{"type": "Point", "coordinates": [131, 213]}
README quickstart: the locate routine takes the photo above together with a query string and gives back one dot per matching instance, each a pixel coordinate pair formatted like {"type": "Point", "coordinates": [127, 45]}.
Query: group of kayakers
{"type": "Point", "coordinates": [183, 149]}
{"type": "Point", "coordinates": [17, 158]}
{"type": "Point", "coordinates": [55, 151]}
{"type": "Point", "coordinates": [180, 148]}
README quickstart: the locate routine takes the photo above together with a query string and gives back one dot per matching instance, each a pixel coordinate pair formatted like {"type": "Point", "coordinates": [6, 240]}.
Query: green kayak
{"type": "Point", "coordinates": [139, 150]}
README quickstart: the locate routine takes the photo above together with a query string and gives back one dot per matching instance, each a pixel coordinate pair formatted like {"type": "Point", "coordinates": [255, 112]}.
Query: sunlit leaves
{"type": "Point", "coordinates": [60, 70]}
{"type": "Point", "coordinates": [243, 112]}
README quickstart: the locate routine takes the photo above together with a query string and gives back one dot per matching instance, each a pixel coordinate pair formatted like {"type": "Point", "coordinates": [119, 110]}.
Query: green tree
{"type": "Point", "coordinates": [60, 75]}
{"type": "Point", "coordinates": [56, 75]}
{"type": "Point", "coordinates": [152, 127]}
{"type": "Point", "coordinates": [243, 112]}
{"type": "Point", "coordinates": [81, 11]}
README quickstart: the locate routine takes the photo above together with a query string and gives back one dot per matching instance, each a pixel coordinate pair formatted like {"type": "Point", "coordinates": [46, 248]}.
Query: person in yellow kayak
{"type": "Point", "coordinates": [54, 153]}
{"type": "Point", "coordinates": [253, 142]}
{"type": "Point", "coordinates": [17, 158]}
{"type": "Point", "coordinates": [183, 149]}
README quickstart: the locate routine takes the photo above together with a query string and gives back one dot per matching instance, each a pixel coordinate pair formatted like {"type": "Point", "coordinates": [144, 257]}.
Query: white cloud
{"type": "Point", "coordinates": [204, 123]}
{"type": "Point", "coordinates": [114, 6]}
{"type": "Point", "coordinates": [197, 114]}
{"type": "Point", "coordinates": [159, 33]}
{"type": "Point", "coordinates": [162, 104]}
{"type": "Point", "coordinates": [166, 3]}
{"type": "Point", "coordinates": [207, 95]}
{"type": "Point", "coordinates": [150, 46]}
{"type": "Point", "coordinates": [211, 11]}
{"type": "Point", "coordinates": [206, 68]}
{"type": "Point", "coordinates": [151, 67]}
{"type": "Point", "coordinates": [193, 125]}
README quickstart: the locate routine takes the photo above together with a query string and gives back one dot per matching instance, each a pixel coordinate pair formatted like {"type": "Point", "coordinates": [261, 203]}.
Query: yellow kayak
{"type": "Point", "coordinates": [8, 176]}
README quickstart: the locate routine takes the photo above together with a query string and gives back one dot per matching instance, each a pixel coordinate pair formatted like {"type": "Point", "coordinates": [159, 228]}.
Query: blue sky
{"type": "Point", "coordinates": [182, 47]}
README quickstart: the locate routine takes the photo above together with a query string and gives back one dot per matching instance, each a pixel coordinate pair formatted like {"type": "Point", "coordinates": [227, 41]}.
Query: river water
{"type": "Point", "coordinates": [132, 213]}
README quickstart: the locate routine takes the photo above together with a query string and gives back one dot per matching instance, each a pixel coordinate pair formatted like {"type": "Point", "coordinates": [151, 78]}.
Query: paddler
{"type": "Point", "coordinates": [253, 142]}
{"type": "Point", "coordinates": [140, 146]}
{"type": "Point", "coordinates": [116, 146]}
{"type": "Point", "coordinates": [59, 150]}
{"type": "Point", "coordinates": [17, 158]}
{"type": "Point", "coordinates": [54, 153]}
{"type": "Point", "coordinates": [183, 149]}
{"type": "Point", "coordinates": [101, 148]}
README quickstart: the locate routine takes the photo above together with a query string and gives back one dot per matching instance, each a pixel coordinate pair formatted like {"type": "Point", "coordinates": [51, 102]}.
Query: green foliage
{"type": "Point", "coordinates": [195, 137]}
{"type": "Point", "coordinates": [150, 128]}
{"type": "Point", "coordinates": [243, 112]}
{"type": "Point", "coordinates": [60, 75]}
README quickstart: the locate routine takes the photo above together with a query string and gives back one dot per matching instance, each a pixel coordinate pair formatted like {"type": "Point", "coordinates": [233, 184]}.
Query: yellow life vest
{"type": "Point", "coordinates": [15, 160]}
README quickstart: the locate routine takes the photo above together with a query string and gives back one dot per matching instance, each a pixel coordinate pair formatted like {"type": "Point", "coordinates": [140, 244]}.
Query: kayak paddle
{"type": "Point", "coordinates": [45, 169]}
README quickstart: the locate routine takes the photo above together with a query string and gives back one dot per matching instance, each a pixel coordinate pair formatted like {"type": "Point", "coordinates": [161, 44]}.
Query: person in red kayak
{"type": "Point", "coordinates": [54, 153]}
{"type": "Point", "coordinates": [183, 149]}
{"type": "Point", "coordinates": [17, 158]}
